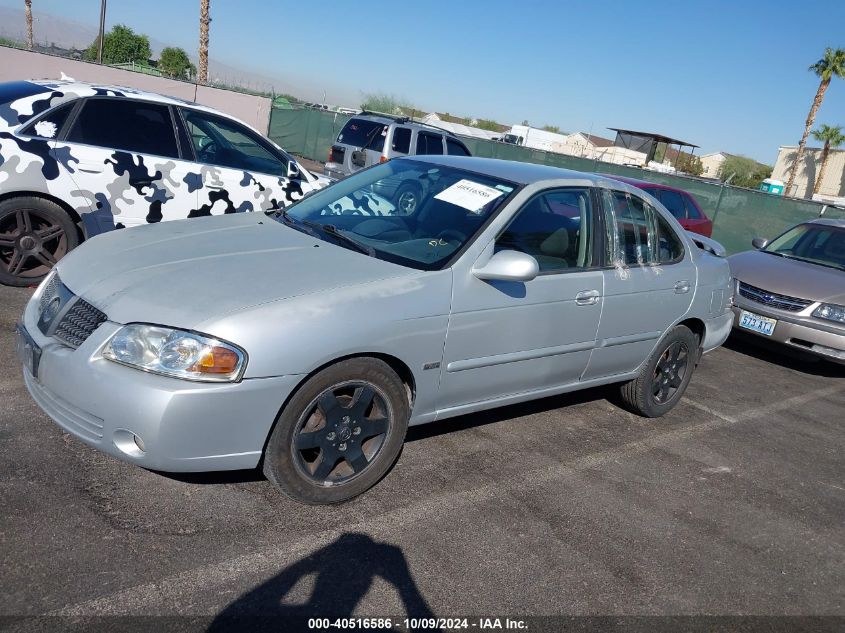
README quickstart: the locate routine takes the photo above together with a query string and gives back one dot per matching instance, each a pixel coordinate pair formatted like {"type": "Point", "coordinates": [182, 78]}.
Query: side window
{"type": "Point", "coordinates": [637, 234]}
{"type": "Point", "coordinates": [555, 228]}
{"type": "Point", "coordinates": [125, 124]}
{"type": "Point", "coordinates": [50, 124]}
{"type": "Point", "coordinates": [632, 235]}
{"type": "Point", "coordinates": [401, 140]}
{"type": "Point", "coordinates": [218, 141]}
{"type": "Point", "coordinates": [692, 211]}
{"type": "Point", "coordinates": [669, 246]}
{"type": "Point", "coordinates": [456, 148]}
{"type": "Point", "coordinates": [673, 201]}
{"type": "Point", "coordinates": [429, 143]}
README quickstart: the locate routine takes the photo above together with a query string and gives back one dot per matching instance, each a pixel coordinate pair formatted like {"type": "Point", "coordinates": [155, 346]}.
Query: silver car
{"type": "Point", "coordinates": [309, 342]}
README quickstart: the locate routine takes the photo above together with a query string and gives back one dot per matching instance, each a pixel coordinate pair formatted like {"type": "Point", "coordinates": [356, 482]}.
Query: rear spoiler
{"type": "Point", "coordinates": [706, 244]}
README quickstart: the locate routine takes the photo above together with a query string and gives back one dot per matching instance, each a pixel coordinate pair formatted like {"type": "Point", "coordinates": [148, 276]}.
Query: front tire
{"type": "Point", "coordinates": [664, 377]}
{"type": "Point", "coordinates": [34, 234]}
{"type": "Point", "coordinates": [339, 434]}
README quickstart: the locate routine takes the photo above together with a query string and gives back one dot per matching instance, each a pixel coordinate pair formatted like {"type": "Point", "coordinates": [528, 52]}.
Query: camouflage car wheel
{"type": "Point", "coordinates": [34, 234]}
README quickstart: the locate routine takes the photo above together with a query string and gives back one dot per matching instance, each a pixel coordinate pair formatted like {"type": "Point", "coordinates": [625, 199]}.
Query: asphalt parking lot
{"type": "Point", "coordinates": [734, 503]}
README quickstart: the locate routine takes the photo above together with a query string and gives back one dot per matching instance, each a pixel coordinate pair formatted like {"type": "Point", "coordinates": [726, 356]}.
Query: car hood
{"type": "Point", "coordinates": [185, 272]}
{"type": "Point", "coordinates": [789, 277]}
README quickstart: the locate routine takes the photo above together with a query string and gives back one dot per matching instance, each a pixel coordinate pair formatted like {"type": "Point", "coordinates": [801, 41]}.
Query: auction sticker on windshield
{"type": "Point", "coordinates": [469, 195]}
{"type": "Point", "coordinates": [757, 323]}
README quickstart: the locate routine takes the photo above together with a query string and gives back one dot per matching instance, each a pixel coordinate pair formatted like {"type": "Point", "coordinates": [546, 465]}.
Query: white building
{"type": "Point", "coordinates": [712, 163]}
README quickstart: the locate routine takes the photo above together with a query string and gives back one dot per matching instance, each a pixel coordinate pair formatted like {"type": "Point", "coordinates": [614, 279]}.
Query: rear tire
{"type": "Point", "coordinates": [664, 377]}
{"type": "Point", "coordinates": [35, 233]}
{"type": "Point", "coordinates": [339, 434]}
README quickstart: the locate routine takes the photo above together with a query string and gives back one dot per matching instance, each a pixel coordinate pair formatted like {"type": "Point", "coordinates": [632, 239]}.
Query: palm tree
{"type": "Point", "coordinates": [831, 137]}
{"type": "Point", "coordinates": [28, 7]}
{"type": "Point", "coordinates": [833, 63]}
{"type": "Point", "coordinates": [204, 20]}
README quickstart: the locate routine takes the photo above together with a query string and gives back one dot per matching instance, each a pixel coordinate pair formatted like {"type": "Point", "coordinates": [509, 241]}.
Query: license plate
{"type": "Point", "coordinates": [28, 351]}
{"type": "Point", "coordinates": [756, 323]}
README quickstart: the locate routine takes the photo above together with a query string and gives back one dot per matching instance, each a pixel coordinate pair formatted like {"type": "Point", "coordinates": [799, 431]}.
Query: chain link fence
{"type": "Point", "coordinates": [738, 214]}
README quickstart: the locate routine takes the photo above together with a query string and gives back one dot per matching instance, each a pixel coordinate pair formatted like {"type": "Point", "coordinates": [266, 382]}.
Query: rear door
{"type": "Point", "coordinates": [649, 282]}
{"type": "Point", "coordinates": [128, 164]}
{"type": "Point", "coordinates": [237, 169]}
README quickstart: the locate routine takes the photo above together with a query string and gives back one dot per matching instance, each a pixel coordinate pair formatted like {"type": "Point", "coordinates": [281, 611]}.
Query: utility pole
{"type": "Point", "coordinates": [102, 31]}
{"type": "Point", "coordinates": [203, 52]}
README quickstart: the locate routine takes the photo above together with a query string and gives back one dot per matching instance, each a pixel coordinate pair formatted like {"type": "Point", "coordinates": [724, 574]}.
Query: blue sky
{"type": "Point", "coordinates": [724, 75]}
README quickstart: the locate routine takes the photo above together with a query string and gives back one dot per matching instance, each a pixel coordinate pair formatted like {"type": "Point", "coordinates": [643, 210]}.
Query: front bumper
{"type": "Point", "coordinates": [798, 331]}
{"type": "Point", "coordinates": [183, 426]}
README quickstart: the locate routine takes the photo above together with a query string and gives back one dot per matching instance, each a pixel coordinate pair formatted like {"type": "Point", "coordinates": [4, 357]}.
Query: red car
{"type": "Point", "coordinates": [679, 203]}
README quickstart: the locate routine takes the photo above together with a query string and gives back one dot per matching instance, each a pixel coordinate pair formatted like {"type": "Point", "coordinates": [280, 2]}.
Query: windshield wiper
{"type": "Point", "coordinates": [332, 230]}
{"type": "Point", "coordinates": [295, 223]}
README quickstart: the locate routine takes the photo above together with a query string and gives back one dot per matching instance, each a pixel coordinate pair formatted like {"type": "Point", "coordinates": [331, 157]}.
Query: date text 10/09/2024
{"type": "Point", "coordinates": [414, 624]}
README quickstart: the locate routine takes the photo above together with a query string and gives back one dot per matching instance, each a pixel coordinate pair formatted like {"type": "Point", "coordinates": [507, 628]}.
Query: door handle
{"type": "Point", "coordinates": [682, 287]}
{"type": "Point", "coordinates": [587, 297]}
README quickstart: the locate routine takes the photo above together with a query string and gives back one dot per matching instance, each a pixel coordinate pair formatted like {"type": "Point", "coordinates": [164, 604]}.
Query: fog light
{"type": "Point", "coordinates": [129, 443]}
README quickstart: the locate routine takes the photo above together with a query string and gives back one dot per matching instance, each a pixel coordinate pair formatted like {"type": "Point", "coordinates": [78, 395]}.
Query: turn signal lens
{"type": "Point", "coordinates": [383, 159]}
{"type": "Point", "coordinates": [217, 360]}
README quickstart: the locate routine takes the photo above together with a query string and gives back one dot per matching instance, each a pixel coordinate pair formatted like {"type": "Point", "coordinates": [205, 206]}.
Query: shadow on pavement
{"type": "Point", "coordinates": [343, 573]}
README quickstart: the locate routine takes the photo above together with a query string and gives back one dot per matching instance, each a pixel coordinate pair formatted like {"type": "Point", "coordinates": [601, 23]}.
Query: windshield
{"type": "Point", "coordinates": [409, 212]}
{"type": "Point", "coordinates": [815, 243]}
{"type": "Point", "coordinates": [363, 133]}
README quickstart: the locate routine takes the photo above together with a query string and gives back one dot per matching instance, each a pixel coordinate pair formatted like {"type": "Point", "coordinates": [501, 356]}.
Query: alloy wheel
{"type": "Point", "coordinates": [669, 372]}
{"type": "Point", "coordinates": [30, 243]}
{"type": "Point", "coordinates": [341, 432]}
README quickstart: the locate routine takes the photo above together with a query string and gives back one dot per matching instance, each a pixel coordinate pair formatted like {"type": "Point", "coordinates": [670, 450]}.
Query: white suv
{"type": "Point", "coordinates": [78, 159]}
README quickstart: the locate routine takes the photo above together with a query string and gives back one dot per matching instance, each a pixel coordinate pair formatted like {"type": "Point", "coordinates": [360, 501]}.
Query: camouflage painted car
{"type": "Point", "coordinates": [78, 159]}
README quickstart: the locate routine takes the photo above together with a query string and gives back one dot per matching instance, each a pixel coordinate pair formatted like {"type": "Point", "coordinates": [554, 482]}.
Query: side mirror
{"type": "Point", "coordinates": [759, 242]}
{"type": "Point", "coordinates": [508, 266]}
{"type": "Point", "coordinates": [293, 170]}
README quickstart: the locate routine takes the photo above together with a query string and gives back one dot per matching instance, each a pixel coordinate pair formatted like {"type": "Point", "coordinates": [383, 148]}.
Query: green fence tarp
{"type": "Point", "coordinates": [739, 215]}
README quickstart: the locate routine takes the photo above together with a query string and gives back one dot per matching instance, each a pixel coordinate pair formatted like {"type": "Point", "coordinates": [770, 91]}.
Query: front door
{"type": "Point", "coordinates": [127, 164]}
{"type": "Point", "coordinates": [240, 171]}
{"type": "Point", "coordinates": [648, 286]}
{"type": "Point", "coordinates": [508, 338]}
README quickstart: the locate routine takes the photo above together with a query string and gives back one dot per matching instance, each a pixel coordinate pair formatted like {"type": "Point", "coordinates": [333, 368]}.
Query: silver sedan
{"type": "Point", "coordinates": [308, 342]}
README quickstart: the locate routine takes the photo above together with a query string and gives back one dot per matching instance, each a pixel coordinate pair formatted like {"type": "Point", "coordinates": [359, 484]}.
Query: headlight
{"type": "Point", "coordinates": [176, 353]}
{"type": "Point", "coordinates": [830, 312]}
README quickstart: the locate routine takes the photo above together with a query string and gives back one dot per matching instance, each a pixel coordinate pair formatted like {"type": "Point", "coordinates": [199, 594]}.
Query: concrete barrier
{"type": "Point", "coordinates": [16, 64]}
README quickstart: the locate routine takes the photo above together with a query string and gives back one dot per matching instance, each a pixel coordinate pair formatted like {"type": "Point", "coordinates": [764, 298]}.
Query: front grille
{"type": "Point", "coordinates": [78, 323]}
{"type": "Point", "coordinates": [772, 299]}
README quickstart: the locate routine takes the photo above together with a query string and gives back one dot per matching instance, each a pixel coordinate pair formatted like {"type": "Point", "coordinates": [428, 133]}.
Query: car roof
{"type": "Point", "coordinates": [838, 222]}
{"type": "Point", "coordinates": [72, 88]}
{"type": "Point", "coordinates": [641, 184]}
{"type": "Point", "coordinates": [522, 173]}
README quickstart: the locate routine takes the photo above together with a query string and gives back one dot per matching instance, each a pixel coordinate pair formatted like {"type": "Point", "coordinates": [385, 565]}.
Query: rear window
{"type": "Point", "coordinates": [429, 143]}
{"type": "Point", "coordinates": [692, 210]}
{"type": "Point", "coordinates": [455, 148]}
{"type": "Point", "coordinates": [363, 133]}
{"type": "Point", "coordinates": [673, 201]}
